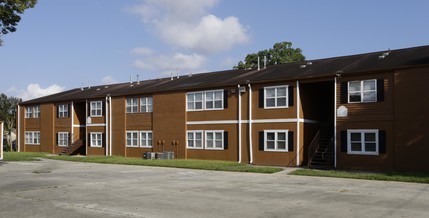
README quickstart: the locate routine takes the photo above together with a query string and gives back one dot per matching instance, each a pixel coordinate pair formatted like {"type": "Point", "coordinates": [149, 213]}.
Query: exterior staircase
{"type": "Point", "coordinates": [321, 150]}
{"type": "Point", "coordinates": [72, 148]}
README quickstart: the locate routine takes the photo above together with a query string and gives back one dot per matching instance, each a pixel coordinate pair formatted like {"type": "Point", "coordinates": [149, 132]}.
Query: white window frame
{"type": "Point", "coordinates": [132, 139]}
{"type": "Point", "coordinates": [194, 139]}
{"type": "Point", "coordinates": [276, 140]}
{"type": "Point", "coordinates": [96, 108]}
{"type": "Point", "coordinates": [146, 104]}
{"type": "Point", "coordinates": [36, 111]}
{"type": "Point", "coordinates": [148, 141]}
{"type": "Point", "coordinates": [362, 133]}
{"type": "Point", "coordinates": [194, 101]}
{"type": "Point", "coordinates": [204, 100]}
{"type": "Point", "coordinates": [276, 96]}
{"type": "Point", "coordinates": [214, 139]}
{"type": "Point", "coordinates": [29, 112]}
{"type": "Point", "coordinates": [63, 139]}
{"type": "Point", "coordinates": [99, 139]}
{"type": "Point", "coordinates": [32, 137]}
{"type": "Point", "coordinates": [362, 91]}
{"type": "Point", "coordinates": [132, 105]}
{"type": "Point", "coordinates": [63, 110]}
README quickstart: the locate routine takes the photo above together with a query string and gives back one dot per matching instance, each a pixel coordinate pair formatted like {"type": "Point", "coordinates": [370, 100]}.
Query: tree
{"type": "Point", "coordinates": [8, 107]}
{"type": "Point", "coordinates": [281, 53]}
{"type": "Point", "coordinates": [10, 11]}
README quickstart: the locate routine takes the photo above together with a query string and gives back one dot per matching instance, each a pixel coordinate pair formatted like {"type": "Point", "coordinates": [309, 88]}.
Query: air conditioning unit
{"type": "Point", "coordinates": [169, 155]}
{"type": "Point", "coordinates": [159, 155]}
{"type": "Point", "coordinates": [149, 155]}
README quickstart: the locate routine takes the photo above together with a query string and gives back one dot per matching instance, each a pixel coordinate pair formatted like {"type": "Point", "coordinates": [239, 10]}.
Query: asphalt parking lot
{"type": "Point", "coordinates": [50, 188]}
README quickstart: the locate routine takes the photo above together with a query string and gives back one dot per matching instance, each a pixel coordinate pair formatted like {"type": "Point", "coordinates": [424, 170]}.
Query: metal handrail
{"type": "Point", "coordinates": [314, 145]}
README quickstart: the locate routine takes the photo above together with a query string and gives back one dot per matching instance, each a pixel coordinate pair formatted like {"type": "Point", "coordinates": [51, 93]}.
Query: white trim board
{"type": "Point", "coordinates": [290, 120]}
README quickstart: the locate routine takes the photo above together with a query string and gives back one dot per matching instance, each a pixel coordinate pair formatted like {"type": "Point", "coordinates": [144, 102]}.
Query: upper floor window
{"type": "Point", "coordinates": [146, 104]}
{"type": "Point", "coordinates": [63, 110]}
{"type": "Point", "coordinates": [29, 112]}
{"type": "Point", "coordinates": [132, 105]}
{"type": "Point", "coordinates": [63, 139]}
{"type": "Point", "coordinates": [32, 137]}
{"type": "Point", "coordinates": [276, 97]}
{"type": "Point", "coordinates": [96, 108]}
{"type": "Point", "coordinates": [36, 111]}
{"type": "Point", "coordinates": [32, 111]}
{"type": "Point", "coordinates": [363, 142]}
{"type": "Point", "coordinates": [362, 91]}
{"type": "Point", "coordinates": [205, 100]}
{"type": "Point", "coordinates": [96, 139]}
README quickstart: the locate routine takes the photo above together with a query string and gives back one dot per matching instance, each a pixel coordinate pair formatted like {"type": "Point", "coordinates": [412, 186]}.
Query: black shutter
{"type": "Point", "coordinates": [58, 111]}
{"type": "Point", "coordinates": [344, 93]}
{"type": "Point", "coordinates": [225, 99]}
{"type": "Point", "coordinates": [261, 98]}
{"type": "Point", "coordinates": [103, 140]}
{"type": "Point", "coordinates": [380, 90]}
{"type": "Point", "coordinates": [382, 141]}
{"type": "Point", "coordinates": [68, 110]}
{"type": "Point", "coordinates": [225, 140]}
{"type": "Point", "coordinates": [290, 97]}
{"type": "Point", "coordinates": [290, 141]}
{"type": "Point", "coordinates": [343, 141]}
{"type": "Point", "coordinates": [57, 138]}
{"type": "Point", "coordinates": [261, 140]}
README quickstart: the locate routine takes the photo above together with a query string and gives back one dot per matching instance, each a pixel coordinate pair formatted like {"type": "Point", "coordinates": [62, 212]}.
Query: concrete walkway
{"type": "Point", "coordinates": [50, 188]}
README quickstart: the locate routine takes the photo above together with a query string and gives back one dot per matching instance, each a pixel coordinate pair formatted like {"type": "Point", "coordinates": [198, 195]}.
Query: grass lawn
{"type": "Point", "coordinates": [383, 176]}
{"type": "Point", "coordinates": [177, 163]}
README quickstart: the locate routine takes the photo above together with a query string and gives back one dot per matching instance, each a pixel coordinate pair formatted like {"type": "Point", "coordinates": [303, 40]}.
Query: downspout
{"type": "Point", "coordinates": [239, 123]}
{"type": "Point", "coordinates": [72, 123]}
{"type": "Point", "coordinates": [335, 122]}
{"type": "Point", "coordinates": [107, 126]}
{"type": "Point", "coordinates": [298, 120]}
{"type": "Point", "coordinates": [250, 124]}
{"type": "Point", "coordinates": [86, 127]}
{"type": "Point", "coordinates": [18, 133]}
{"type": "Point", "coordinates": [110, 125]}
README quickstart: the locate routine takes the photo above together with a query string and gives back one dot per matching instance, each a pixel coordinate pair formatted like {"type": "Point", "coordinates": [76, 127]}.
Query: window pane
{"type": "Point", "coordinates": [281, 102]}
{"type": "Point", "coordinates": [281, 145]}
{"type": "Point", "coordinates": [355, 97]}
{"type": "Point", "coordinates": [270, 92]}
{"type": "Point", "coordinates": [198, 135]}
{"type": "Point", "coordinates": [270, 102]}
{"type": "Point", "coordinates": [218, 136]}
{"type": "Point", "coordinates": [369, 97]}
{"type": "Point", "coordinates": [354, 86]}
{"type": "Point", "coordinates": [281, 92]}
{"type": "Point", "coordinates": [370, 147]}
{"type": "Point", "coordinates": [198, 96]}
{"type": "Point", "coordinates": [191, 143]}
{"type": "Point", "coordinates": [270, 136]}
{"type": "Point", "coordinates": [209, 144]}
{"type": "Point", "coordinates": [270, 144]}
{"type": "Point", "coordinates": [368, 85]}
{"type": "Point", "coordinates": [356, 147]}
{"type": "Point", "coordinates": [218, 95]}
{"type": "Point", "coordinates": [198, 105]}
{"type": "Point", "coordinates": [209, 96]}
{"type": "Point", "coordinates": [218, 104]}
{"type": "Point", "coordinates": [281, 136]}
{"type": "Point", "coordinates": [190, 136]}
{"type": "Point", "coordinates": [198, 144]}
{"type": "Point", "coordinates": [209, 104]}
{"type": "Point", "coordinates": [219, 144]}
{"type": "Point", "coordinates": [355, 137]}
{"type": "Point", "coordinates": [190, 106]}
{"type": "Point", "coordinates": [369, 137]}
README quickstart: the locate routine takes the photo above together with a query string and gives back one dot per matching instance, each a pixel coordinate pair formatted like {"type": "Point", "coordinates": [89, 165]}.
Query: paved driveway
{"type": "Point", "coordinates": [51, 188]}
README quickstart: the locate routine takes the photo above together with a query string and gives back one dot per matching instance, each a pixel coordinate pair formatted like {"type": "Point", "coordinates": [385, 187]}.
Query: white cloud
{"type": "Point", "coordinates": [142, 51]}
{"type": "Point", "coordinates": [186, 24]}
{"type": "Point", "coordinates": [35, 91]}
{"type": "Point", "coordinates": [108, 80]}
{"type": "Point", "coordinates": [171, 62]}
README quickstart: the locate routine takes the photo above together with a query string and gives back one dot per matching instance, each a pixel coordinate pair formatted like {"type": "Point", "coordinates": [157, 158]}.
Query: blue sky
{"type": "Point", "coordinates": [61, 45]}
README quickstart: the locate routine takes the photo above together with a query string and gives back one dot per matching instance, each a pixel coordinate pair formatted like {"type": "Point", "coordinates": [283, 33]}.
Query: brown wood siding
{"type": "Point", "coordinates": [230, 154]}
{"type": "Point", "coordinates": [368, 162]}
{"type": "Point", "coordinates": [118, 126]}
{"type": "Point", "coordinates": [369, 111]}
{"type": "Point", "coordinates": [47, 136]}
{"type": "Point", "coordinates": [169, 121]}
{"type": "Point", "coordinates": [139, 121]}
{"type": "Point", "coordinates": [412, 119]}
{"type": "Point", "coordinates": [273, 157]}
{"type": "Point", "coordinates": [96, 150]}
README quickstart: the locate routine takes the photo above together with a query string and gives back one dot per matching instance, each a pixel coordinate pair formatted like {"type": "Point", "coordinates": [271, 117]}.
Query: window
{"type": "Point", "coordinates": [194, 101]}
{"type": "Point", "coordinates": [96, 139]}
{"type": "Point", "coordinates": [63, 110]}
{"type": "Point", "coordinates": [214, 99]}
{"type": "Point", "coordinates": [146, 139]}
{"type": "Point", "coordinates": [214, 139]}
{"type": "Point", "coordinates": [28, 112]}
{"type": "Point", "coordinates": [63, 139]}
{"type": "Point", "coordinates": [132, 105]}
{"type": "Point", "coordinates": [362, 142]}
{"type": "Point", "coordinates": [132, 138]}
{"type": "Point", "coordinates": [36, 111]}
{"type": "Point", "coordinates": [207, 100]}
{"type": "Point", "coordinates": [362, 91]}
{"type": "Point", "coordinates": [194, 139]}
{"type": "Point", "coordinates": [96, 108]}
{"type": "Point", "coordinates": [146, 104]}
{"type": "Point", "coordinates": [276, 140]}
{"type": "Point", "coordinates": [276, 97]}
{"type": "Point", "coordinates": [32, 138]}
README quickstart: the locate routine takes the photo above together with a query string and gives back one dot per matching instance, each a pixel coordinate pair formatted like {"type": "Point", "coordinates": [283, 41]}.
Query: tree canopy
{"type": "Point", "coordinates": [10, 11]}
{"type": "Point", "coordinates": [8, 107]}
{"type": "Point", "coordinates": [281, 53]}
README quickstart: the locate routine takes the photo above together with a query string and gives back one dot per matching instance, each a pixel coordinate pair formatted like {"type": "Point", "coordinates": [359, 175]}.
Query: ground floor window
{"type": "Point", "coordinates": [214, 139]}
{"type": "Point", "coordinates": [363, 141]}
{"type": "Point", "coordinates": [210, 139]}
{"type": "Point", "coordinates": [63, 139]}
{"type": "Point", "coordinates": [32, 137]}
{"type": "Point", "coordinates": [96, 139]}
{"type": "Point", "coordinates": [139, 139]}
{"type": "Point", "coordinates": [195, 139]}
{"type": "Point", "coordinates": [276, 140]}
